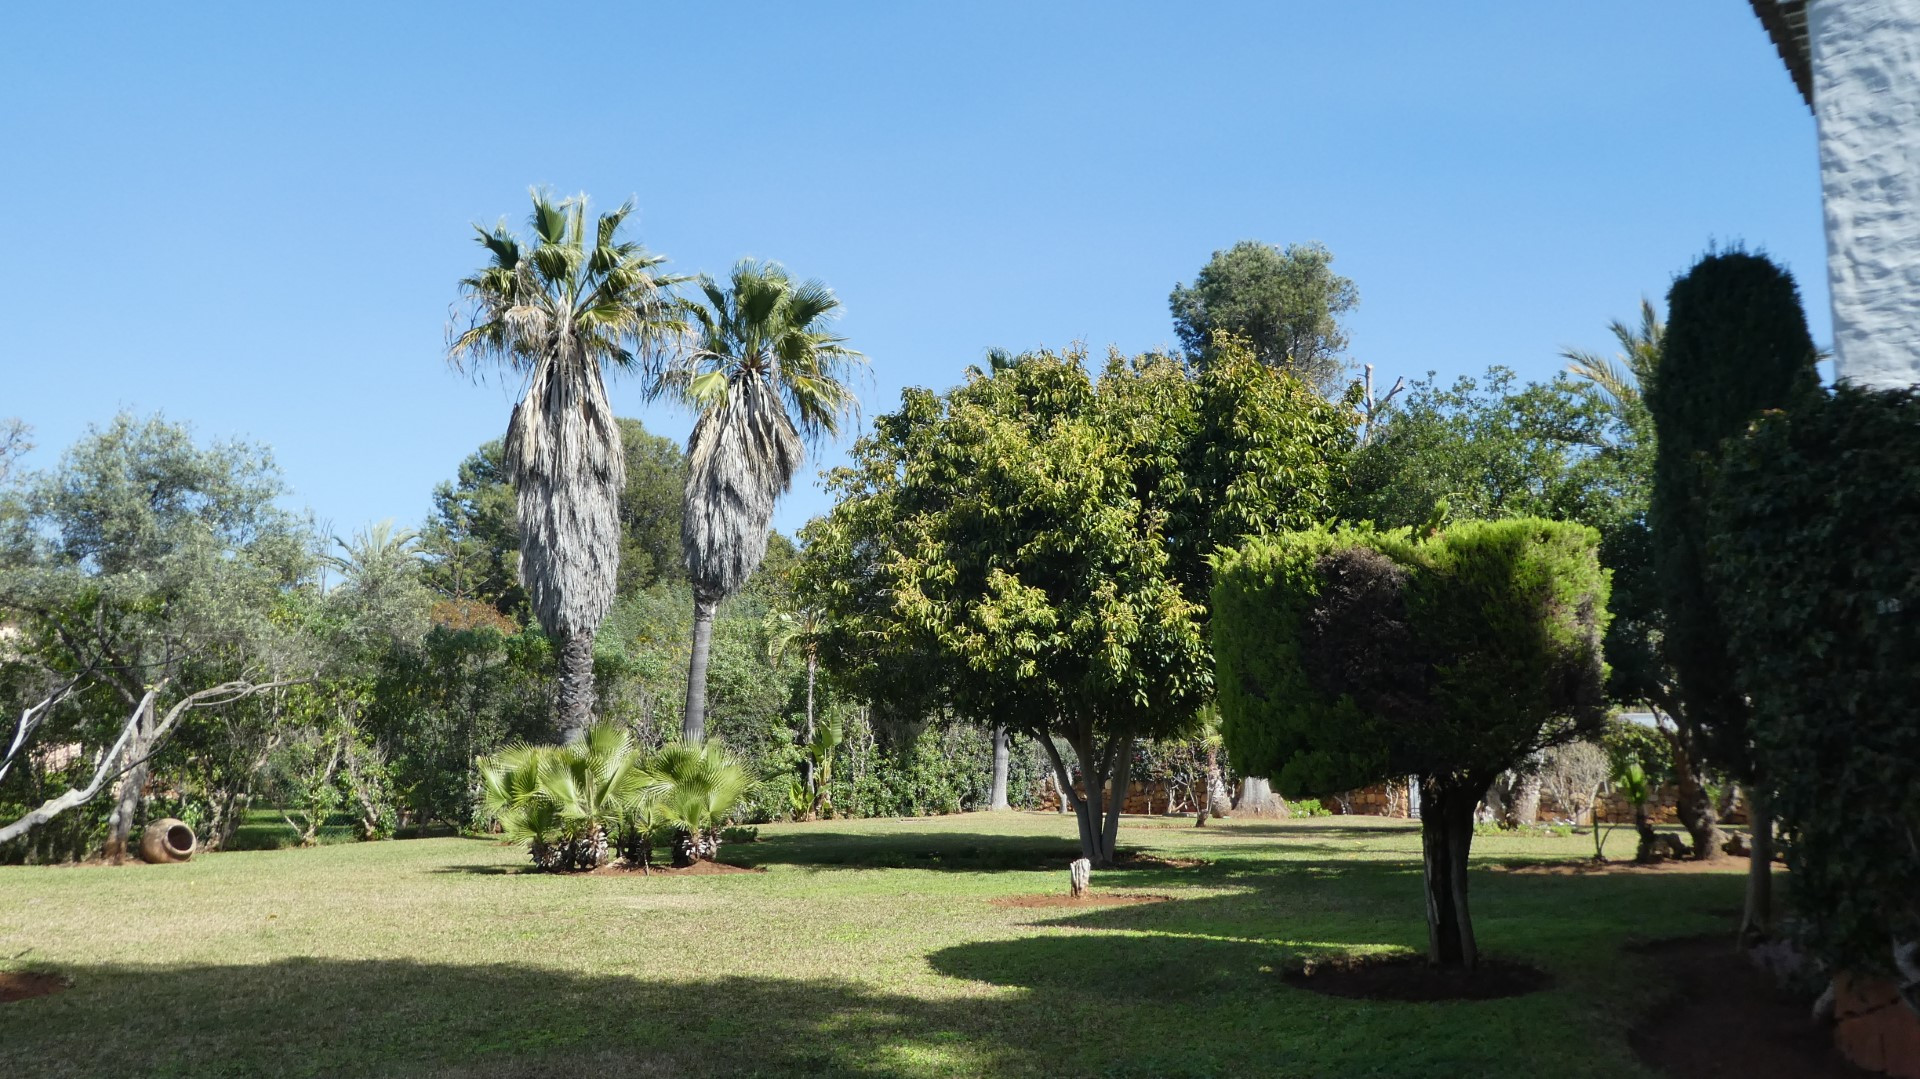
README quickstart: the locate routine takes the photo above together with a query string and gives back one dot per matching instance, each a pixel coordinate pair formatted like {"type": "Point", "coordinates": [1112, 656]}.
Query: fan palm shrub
{"type": "Point", "coordinates": [766, 375]}
{"type": "Point", "coordinates": [568, 802]}
{"type": "Point", "coordinates": [559, 310]}
{"type": "Point", "coordinates": [695, 785]}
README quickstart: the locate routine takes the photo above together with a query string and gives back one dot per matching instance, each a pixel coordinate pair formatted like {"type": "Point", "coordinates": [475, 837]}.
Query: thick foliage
{"type": "Point", "coordinates": [1285, 303]}
{"type": "Point", "coordinates": [1816, 560]}
{"type": "Point", "coordinates": [1736, 343]}
{"type": "Point", "coordinates": [1031, 547]}
{"type": "Point", "coordinates": [1349, 656]}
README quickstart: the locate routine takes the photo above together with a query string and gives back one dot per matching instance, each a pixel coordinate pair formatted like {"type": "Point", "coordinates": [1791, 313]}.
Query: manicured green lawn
{"type": "Point", "coordinates": [868, 948]}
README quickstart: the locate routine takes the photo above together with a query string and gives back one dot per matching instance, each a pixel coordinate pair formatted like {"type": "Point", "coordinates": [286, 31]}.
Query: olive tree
{"type": "Point", "coordinates": [145, 576]}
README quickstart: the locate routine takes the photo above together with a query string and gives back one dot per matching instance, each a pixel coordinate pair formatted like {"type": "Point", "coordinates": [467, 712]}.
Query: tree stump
{"type": "Point", "coordinates": [1080, 873]}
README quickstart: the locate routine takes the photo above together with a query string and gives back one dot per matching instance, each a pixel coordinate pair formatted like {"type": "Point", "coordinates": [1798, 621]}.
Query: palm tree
{"type": "Point", "coordinates": [559, 310]}
{"type": "Point", "coordinates": [766, 375]}
{"type": "Point", "coordinates": [695, 785]}
{"type": "Point", "coordinates": [1621, 377]}
{"type": "Point", "coordinates": [798, 630]}
{"type": "Point", "coordinates": [567, 802]}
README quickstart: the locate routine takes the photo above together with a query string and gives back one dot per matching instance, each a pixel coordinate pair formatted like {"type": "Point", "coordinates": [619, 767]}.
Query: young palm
{"type": "Point", "coordinates": [560, 310]}
{"type": "Point", "coordinates": [766, 376]}
{"type": "Point", "coordinates": [695, 784]}
{"type": "Point", "coordinates": [790, 631]}
{"type": "Point", "coordinates": [566, 802]}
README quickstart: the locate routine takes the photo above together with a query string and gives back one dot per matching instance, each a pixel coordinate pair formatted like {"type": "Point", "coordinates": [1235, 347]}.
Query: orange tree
{"type": "Point", "coordinates": [1031, 548]}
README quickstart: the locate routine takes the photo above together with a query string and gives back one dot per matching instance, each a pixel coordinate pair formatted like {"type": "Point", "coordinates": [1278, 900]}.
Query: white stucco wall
{"type": "Point", "coordinates": [1866, 97]}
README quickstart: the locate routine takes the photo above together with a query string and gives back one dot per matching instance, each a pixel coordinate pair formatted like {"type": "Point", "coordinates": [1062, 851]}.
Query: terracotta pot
{"type": "Point", "coordinates": [167, 840]}
{"type": "Point", "coordinates": [1873, 1028]}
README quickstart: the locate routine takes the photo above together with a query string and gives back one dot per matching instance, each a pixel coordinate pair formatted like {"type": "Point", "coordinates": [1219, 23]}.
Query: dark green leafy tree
{"type": "Point", "coordinates": [1813, 544]}
{"type": "Point", "coordinates": [1284, 303]}
{"type": "Point", "coordinates": [1347, 657]}
{"type": "Point", "coordinates": [1026, 549]}
{"type": "Point", "coordinates": [560, 310]}
{"type": "Point", "coordinates": [471, 540]}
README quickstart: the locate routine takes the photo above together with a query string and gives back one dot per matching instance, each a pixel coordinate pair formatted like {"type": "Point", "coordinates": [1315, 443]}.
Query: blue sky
{"type": "Point", "coordinates": [252, 217]}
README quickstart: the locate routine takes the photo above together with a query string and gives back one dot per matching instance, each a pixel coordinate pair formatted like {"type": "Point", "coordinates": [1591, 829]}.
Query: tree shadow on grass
{"type": "Point", "coordinates": [1188, 987]}
{"type": "Point", "coordinates": [1134, 1014]}
{"type": "Point", "coordinates": [964, 852]}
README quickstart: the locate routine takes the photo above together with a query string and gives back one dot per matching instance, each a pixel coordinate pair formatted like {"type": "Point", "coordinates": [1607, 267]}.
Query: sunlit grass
{"type": "Point", "coordinates": [866, 948]}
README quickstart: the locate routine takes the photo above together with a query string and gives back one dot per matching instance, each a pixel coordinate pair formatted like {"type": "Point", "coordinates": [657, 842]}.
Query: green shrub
{"type": "Point", "coordinates": [694, 787]}
{"type": "Point", "coordinates": [1346, 657]}
{"type": "Point", "coordinates": [569, 803]}
{"type": "Point", "coordinates": [1308, 807]}
{"type": "Point", "coordinates": [1816, 555]}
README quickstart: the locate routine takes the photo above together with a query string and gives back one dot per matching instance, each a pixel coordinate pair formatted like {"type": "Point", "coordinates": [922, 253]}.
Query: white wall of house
{"type": "Point", "coordinates": [1866, 97]}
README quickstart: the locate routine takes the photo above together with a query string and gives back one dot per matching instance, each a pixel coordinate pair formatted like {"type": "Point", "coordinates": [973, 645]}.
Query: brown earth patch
{"type": "Point", "coordinates": [1096, 899]}
{"type": "Point", "coordinates": [1589, 867]}
{"type": "Point", "coordinates": [1723, 1016]}
{"type": "Point", "coordinates": [697, 869]}
{"type": "Point", "coordinates": [1133, 859]}
{"type": "Point", "coordinates": [1411, 978]}
{"type": "Point", "coordinates": [19, 985]}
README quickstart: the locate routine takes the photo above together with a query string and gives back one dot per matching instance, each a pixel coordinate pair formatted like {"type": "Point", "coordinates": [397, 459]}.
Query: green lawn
{"type": "Point", "coordinates": [868, 948]}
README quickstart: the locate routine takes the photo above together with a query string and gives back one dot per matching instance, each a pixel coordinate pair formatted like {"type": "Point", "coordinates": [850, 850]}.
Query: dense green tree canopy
{"type": "Point", "coordinates": [1346, 657]}
{"type": "Point", "coordinates": [1736, 345]}
{"type": "Point", "coordinates": [1286, 303]}
{"type": "Point", "coordinates": [1028, 548]}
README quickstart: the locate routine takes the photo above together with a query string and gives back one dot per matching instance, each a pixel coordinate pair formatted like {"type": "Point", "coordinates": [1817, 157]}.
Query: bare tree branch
{"type": "Point", "coordinates": [30, 721]}
{"type": "Point", "coordinates": [112, 766]}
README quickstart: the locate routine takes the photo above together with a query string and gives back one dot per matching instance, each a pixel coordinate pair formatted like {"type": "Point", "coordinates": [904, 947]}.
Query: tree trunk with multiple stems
{"type": "Point", "coordinates": [1694, 806]}
{"type": "Point", "coordinates": [1446, 837]}
{"type": "Point", "coordinates": [998, 797]}
{"type": "Point", "coordinates": [693, 727]}
{"type": "Point", "coordinates": [1097, 810]}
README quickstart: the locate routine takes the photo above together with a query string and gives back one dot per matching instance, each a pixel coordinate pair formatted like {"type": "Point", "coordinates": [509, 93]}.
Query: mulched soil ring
{"type": "Point", "coordinates": [1095, 899]}
{"type": "Point", "coordinates": [1723, 1016]}
{"type": "Point", "coordinates": [1133, 859]}
{"type": "Point", "coordinates": [19, 986]}
{"type": "Point", "coordinates": [1588, 867]}
{"type": "Point", "coordinates": [1411, 978]}
{"type": "Point", "coordinates": [697, 869]}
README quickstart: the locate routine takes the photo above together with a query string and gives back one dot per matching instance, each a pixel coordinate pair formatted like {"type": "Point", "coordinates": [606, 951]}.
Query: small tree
{"type": "Point", "coordinates": [1574, 775]}
{"type": "Point", "coordinates": [1348, 657]}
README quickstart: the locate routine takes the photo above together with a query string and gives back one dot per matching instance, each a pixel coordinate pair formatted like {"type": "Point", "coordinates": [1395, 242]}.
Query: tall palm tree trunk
{"type": "Point", "coordinates": [693, 727]}
{"type": "Point", "coordinates": [573, 710]}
